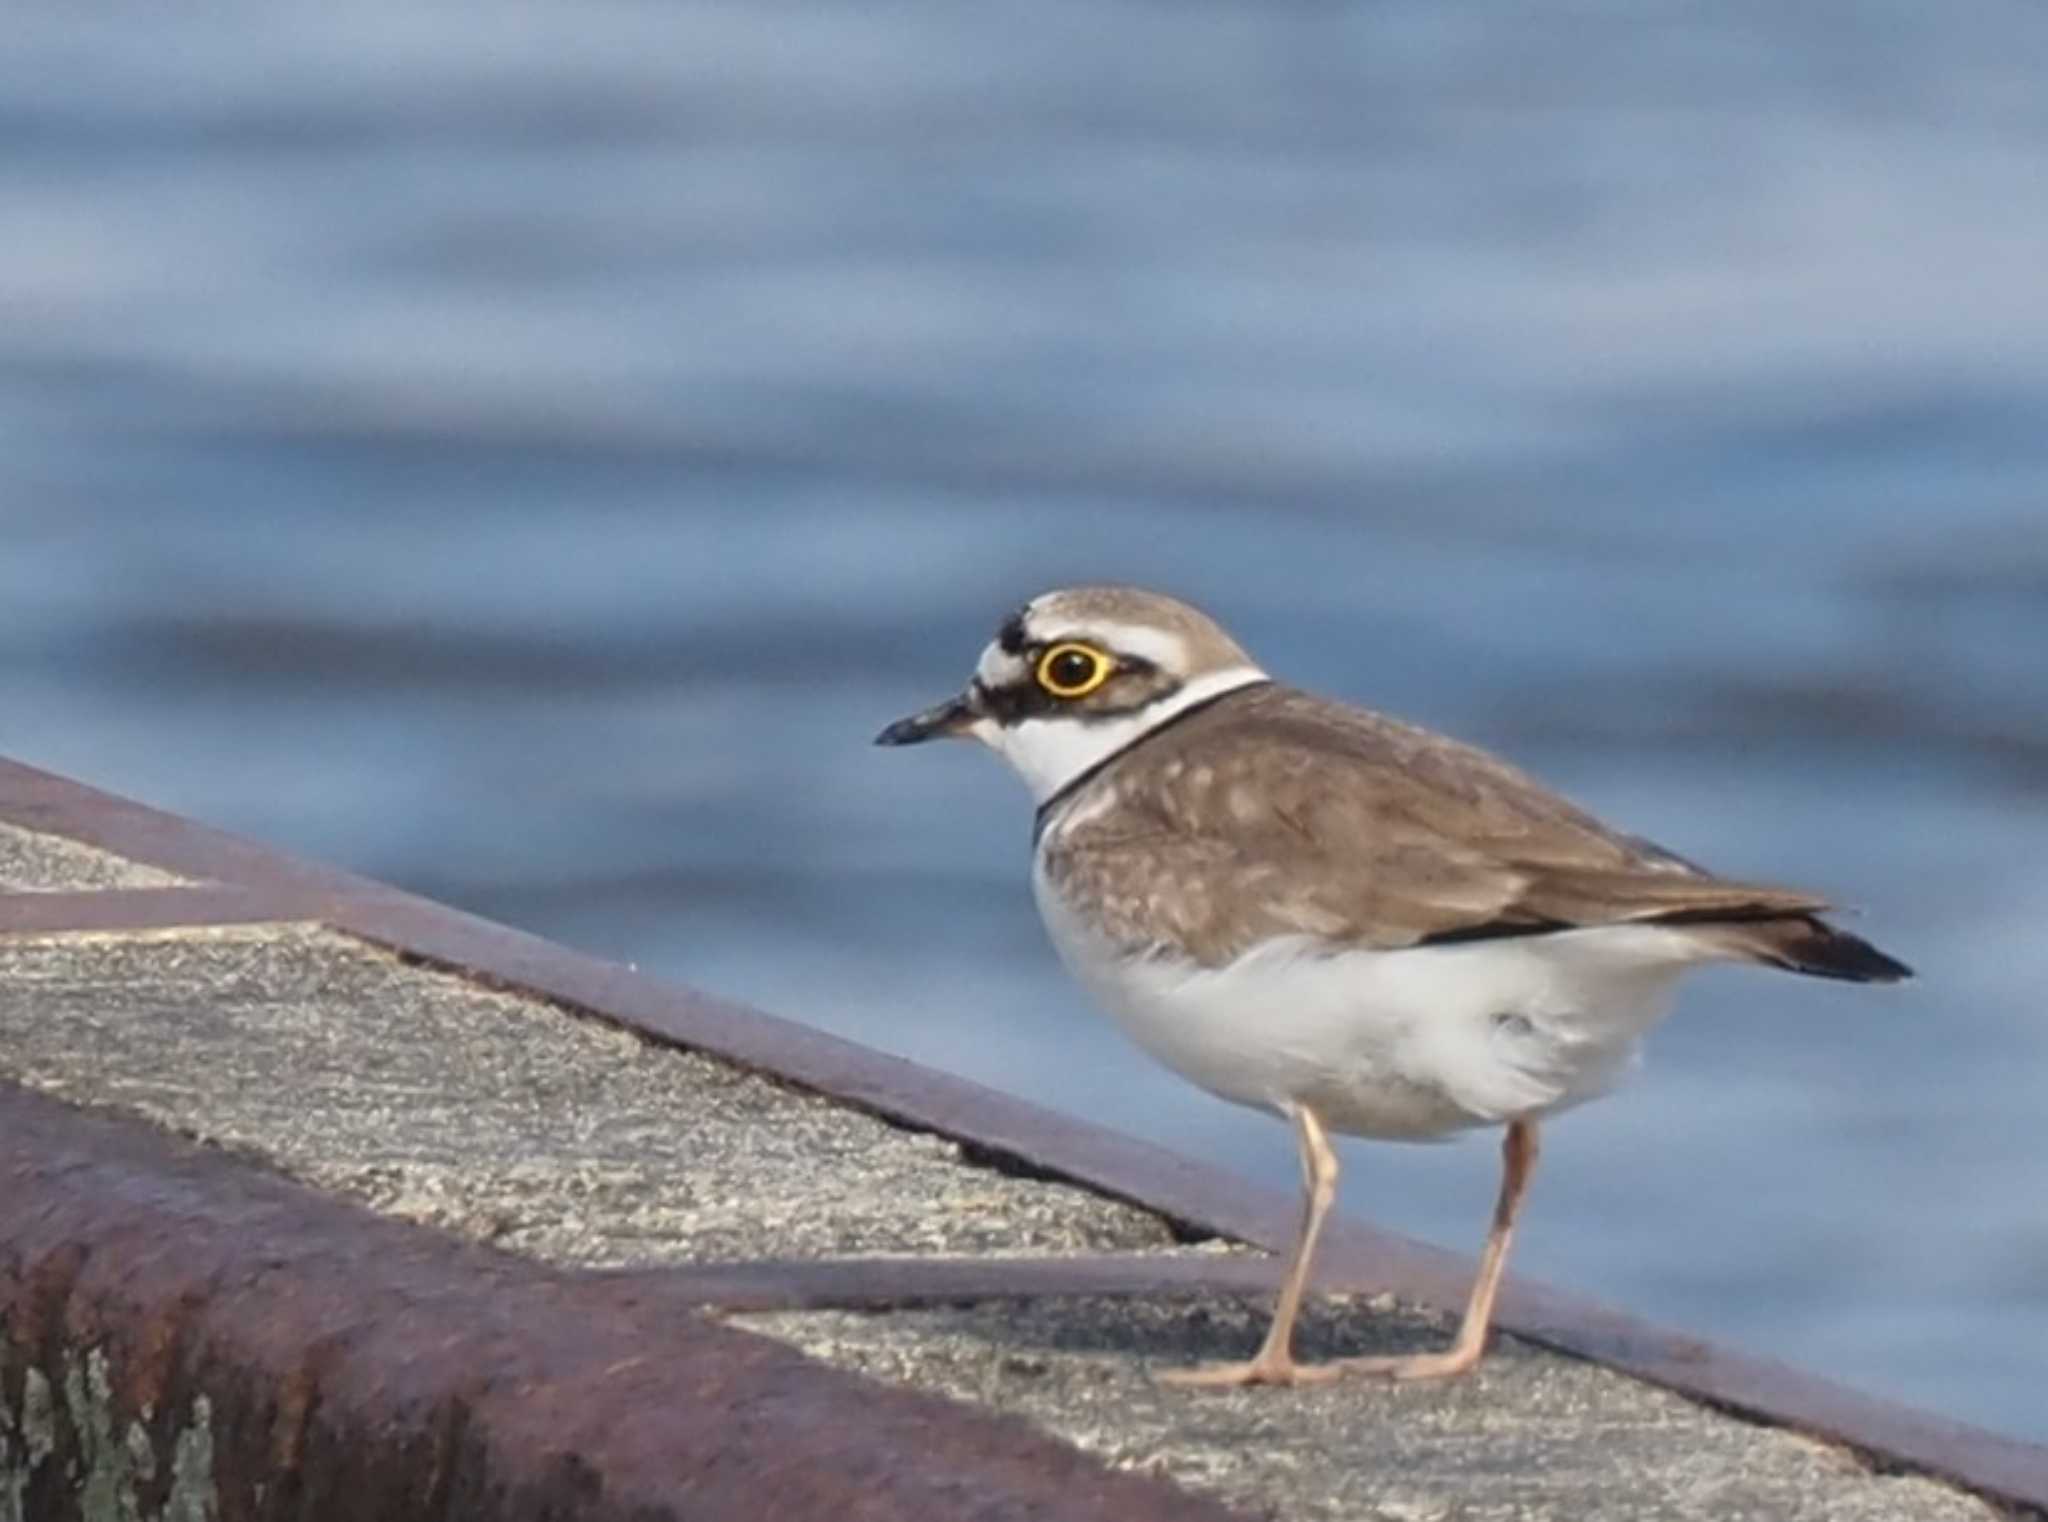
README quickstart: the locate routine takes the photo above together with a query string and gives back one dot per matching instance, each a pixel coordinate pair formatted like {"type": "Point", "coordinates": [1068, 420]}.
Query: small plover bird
{"type": "Point", "coordinates": [1319, 911]}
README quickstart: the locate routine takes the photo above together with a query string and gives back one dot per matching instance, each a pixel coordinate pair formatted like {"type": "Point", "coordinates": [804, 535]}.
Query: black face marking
{"type": "Point", "coordinates": [1010, 705]}
{"type": "Point", "coordinates": [1010, 638]}
{"type": "Point", "coordinates": [1014, 702]}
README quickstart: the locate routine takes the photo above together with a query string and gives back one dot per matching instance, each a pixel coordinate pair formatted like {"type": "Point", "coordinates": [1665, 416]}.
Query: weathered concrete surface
{"type": "Point", "coordinates": [428, 1097]}
{"type": "Point", "coordinates": [34, 862]}
{"type": "Point", "coordinates": [501, 1117]}
{"type": "Point", "coordinates": [1532, 1436]}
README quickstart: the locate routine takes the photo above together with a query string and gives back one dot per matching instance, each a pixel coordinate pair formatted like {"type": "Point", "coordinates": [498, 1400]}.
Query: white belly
{"type": "Point", "coordinates": [1407, 1044]}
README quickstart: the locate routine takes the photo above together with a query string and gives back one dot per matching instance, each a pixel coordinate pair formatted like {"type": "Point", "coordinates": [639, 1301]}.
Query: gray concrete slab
{"type": "Point", "coordinates": [429, 1097]}
{"type": "Point", "coordinates": [34, 862]}
{"type": "Point", "coordinates": [1532, 1436]}
{"type": "Point", "coordinates": [426, 1096]}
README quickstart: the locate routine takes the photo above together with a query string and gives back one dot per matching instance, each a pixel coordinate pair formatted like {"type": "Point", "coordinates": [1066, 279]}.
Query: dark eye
{"type": "Point", "coordinates": [1072, 671]}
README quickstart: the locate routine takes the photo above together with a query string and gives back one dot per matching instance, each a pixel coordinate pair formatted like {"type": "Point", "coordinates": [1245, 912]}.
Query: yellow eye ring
{"type": "Point", "coordinates": [1073, 671]}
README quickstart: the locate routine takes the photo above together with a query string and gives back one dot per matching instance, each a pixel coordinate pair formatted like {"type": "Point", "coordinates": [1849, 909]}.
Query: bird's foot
{"type": "Point", "coordinates": [1414, 1366]}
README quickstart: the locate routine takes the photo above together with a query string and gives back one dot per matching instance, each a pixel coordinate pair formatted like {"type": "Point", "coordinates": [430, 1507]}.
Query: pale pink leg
{"type": "Point", "coordinates": [1274, 1362]}
{"type": "Point", "coordinates": [1518, 1161]}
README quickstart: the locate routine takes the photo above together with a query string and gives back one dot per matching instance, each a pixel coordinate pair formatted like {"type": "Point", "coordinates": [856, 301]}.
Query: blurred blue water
{"type": "Point", "coordinates": [527, 460]}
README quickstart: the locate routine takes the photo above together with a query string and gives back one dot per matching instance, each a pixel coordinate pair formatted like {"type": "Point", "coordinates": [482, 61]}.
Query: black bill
{"type": "Point", "coordinates": [947, 718]}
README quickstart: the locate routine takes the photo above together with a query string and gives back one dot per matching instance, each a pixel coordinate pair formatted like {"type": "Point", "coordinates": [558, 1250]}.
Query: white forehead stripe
{"type": "Point", "coordinates": [1163, 648]}
{"type": "Point", "coordinates": [997, 667]}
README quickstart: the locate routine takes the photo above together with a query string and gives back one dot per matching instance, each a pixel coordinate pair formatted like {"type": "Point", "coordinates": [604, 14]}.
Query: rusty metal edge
{"type": "Point", "coordinates": [361, 1366]}
{"type": "Point", "coordinates": [1009, 1132]}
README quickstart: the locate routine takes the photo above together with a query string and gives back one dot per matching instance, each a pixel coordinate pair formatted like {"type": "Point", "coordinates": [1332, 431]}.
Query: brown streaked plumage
{"type": "Point", "coordinates": [1274, 812]}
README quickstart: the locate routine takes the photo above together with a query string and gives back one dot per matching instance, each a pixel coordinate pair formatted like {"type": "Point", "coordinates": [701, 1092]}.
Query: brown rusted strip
{"type": "Point", "coordinates": [153, 908]}
{"type": "Point", "coordinates": [359, 1367]}
{"type": "Point", "coordinates": [1012, 1132]}
{"type": "Point", "coordinates": [796, 1284]}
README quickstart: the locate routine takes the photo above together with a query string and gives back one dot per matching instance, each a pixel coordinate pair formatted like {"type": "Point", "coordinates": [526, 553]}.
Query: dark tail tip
{"type": "Point", "coordinates": [1825, 952]}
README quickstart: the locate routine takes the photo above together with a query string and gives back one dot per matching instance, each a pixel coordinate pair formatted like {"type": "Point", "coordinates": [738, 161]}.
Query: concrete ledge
{"type": "Point", "coordinates": [188, 1335]}
{"type": "Point", "coordinates": [428, 1098]}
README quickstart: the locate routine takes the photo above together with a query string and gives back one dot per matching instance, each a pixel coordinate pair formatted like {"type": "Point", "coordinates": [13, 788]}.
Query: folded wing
{"type": "Point", "coordinates": [1354, 829]}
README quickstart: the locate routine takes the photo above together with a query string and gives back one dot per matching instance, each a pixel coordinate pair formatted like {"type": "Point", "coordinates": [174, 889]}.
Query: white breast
{"type": "Point", "coordinates": [1409, 1044]}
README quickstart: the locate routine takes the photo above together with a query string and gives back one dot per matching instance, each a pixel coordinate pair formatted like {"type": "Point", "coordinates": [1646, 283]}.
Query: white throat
{"type": "Point", "coordinates": [1050, 752]}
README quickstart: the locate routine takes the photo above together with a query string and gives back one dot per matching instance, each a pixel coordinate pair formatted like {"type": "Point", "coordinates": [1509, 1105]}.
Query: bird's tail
{"type": "Point", "coordinates": [1806, 943]}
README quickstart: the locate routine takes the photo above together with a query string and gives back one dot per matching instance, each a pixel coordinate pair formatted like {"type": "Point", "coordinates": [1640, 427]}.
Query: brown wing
{"type": "Point", "coordinates": [1277, 813]}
